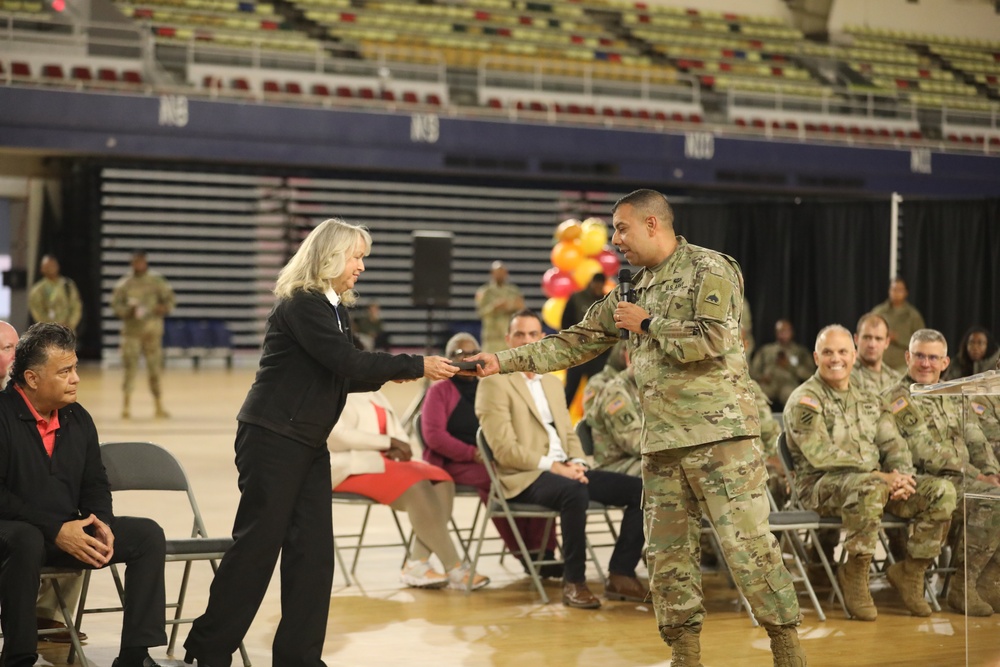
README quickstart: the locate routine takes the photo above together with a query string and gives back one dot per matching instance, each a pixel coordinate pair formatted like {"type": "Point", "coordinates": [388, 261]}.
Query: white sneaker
{"type": "Point", "coordinates": [458, 579]}
{"type": "Point", "coordinates": [420, 574]}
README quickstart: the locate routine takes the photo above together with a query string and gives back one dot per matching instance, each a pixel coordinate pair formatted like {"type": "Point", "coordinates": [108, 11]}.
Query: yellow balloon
{"type": "Point", "coordinates": [568, 230]}
{"type": "Point", "coordinates": [552, 312]}
{"type": "Point", "coordinates": [585, 271]}
{"type": "Point", "coordinates": [593, 236]}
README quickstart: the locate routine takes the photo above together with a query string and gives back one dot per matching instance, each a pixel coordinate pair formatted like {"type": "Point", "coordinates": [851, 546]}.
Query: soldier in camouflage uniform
{"type": "Point", "coordinates": [698, 452]}
{"type": "Point", "coordinates": [872, 340]}
{"type": "Point", "coordinates": [616, 364]}
{"type": "Point", "coordinates": [783, 365]}
{"type": "Point", "coordinates": [851, 463]}
{"type": "Point", "coordinates": [616, 425]}
{"type": "Point", "coordinates": [496, 303]}
{"type": "Point", "coordinates": [141, 299]}
{"type": "Point", "coordinates": [941, 446]}
{"type": "Point", "coordinates": [987, 408]}
{"type": "Point", "coordinates": [55, 298]}
{"type": "Point", "coordinates": [903, 319]}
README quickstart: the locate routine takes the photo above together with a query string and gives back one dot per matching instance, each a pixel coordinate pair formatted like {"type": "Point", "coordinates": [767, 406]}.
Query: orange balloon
{"type": "Point", "coordinates": [609, 286]}
{"type": "Point", "coordinates": [585, 271]}
{"type": "Point", "coordinates": [568, 230]}
{"type": "Point", "coordinates": [566, 255]}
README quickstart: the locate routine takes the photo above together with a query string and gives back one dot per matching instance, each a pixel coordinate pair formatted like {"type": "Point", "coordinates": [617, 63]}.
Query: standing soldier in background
{"type": "Point", "coordinates": [698, 451]}
{"type": "Point", "coordinates": [141, 299]}
{"type": "Point", "coordinates": [903, 320]}
{"type": "Point", "coordinates": [55, 298]}
{"type": "Point", "coordinates": [496, 303]}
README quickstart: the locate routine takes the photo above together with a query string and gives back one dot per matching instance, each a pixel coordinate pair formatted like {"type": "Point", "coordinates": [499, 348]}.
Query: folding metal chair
{"type": "Point", "coordinates": [53, 574]}
{"type": "Point", "coordinates": [497, 504]}
{"type": "Point", "coordinates": [358, 538]}
{"type": "Point", "coordinates": [144, 466]}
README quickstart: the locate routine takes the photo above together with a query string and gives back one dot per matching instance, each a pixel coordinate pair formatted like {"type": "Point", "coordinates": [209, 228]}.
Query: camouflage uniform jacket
{"type": "Point", "coordinates": [145, 292]}
{"type": "Point", "coordinates": [495, 319]}
{"type": "Point", "coordinates": [766, 370]}
{"type": "Point", "coordinates": [616, 425]}
{"type": "Point", "coordinates": [987, 408]}
{"type": "Point", "coordinates": [932, 426]}
{"type": "Point", "coordinates": [593, 388]}
{"type": "Point", "coordinates": [56, 301]}
{"type": "Point", "coordinates": [865, 378]}
{"type": "Point", "coordinates": [830, 431]}
{"type": "Point", "coordinates": [769, 426]}
{"type": "Point", "coordinates": [690, 368]}
{"type": "Point", "coordinates": [903, 321]}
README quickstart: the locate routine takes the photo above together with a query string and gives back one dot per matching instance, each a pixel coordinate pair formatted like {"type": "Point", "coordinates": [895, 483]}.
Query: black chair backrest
{"type": "Point", "coordinates": [142, 466]}
{"type": "Point", "coordinates": [785, 454]}
{"type": "Point", "coordinates": [586, 436]}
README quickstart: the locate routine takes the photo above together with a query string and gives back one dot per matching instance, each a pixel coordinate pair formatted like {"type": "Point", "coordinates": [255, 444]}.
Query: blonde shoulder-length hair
{"type": "Point", "coordinates": [321, 258]}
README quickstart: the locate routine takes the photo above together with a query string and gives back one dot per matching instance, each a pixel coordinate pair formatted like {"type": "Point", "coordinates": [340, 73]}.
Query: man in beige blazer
{"type": "Point", "coordinates": [539, 459]}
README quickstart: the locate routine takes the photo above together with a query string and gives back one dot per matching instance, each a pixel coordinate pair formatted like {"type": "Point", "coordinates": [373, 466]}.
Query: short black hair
{"type": "Point", "coordinates": [527, 312]}
{"type": "Point", "coordinates": [648, 201]}
{"type": "Point", "coordinates": [32, 350]}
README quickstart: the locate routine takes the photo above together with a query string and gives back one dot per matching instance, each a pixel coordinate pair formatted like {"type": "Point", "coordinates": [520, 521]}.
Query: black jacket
{"type": "Point", "coordinates": [308, 366]}
{"type": "Point", "coordinates": [47, 492]}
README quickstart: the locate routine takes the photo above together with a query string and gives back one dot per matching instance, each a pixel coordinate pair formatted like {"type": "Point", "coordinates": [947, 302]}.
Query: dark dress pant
{"type": "Point", "coordinates": [139, 544]}
{"type": "Point", "coordinates": [285, 508]}
{"type": "Point", "coordinates": [571, 499]}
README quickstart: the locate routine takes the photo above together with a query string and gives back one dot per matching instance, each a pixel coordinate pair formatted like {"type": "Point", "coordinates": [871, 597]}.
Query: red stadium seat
{"type": "Point", "coordinates": [271, 87]}
{"type": "Point", "coordinates": [320, 90]}
{"type": "Point", "coordinates": [659, 115]}
{"type": "Point", "coordinates": [107, 74]}
{"type": "Point", "coordinates": [366, 93]}
{"type": "Point", "coordinates": [240, 84]}
{"type": "Point", "coordinates": [741, 122]}
{"type": "Point", "coordinates": [293, 88]}
{"type": "Point", "coordinates": [53, 72]}
{"type": "Point", "coordinates": [537, 107]}
{"type": "Point", "coordinates": [642, 113]}
{"type": "Point", "coordinates": [81, 73]}
{"type": "Point", "coordinates": [608, 111]}
{"type": "Point", "coordinates": [626, 113]}
{"type": "Point", "coordinates": [388, 96]}
{"type": "Point", "coordinates": [494, 103]}
{"type": "Point", "coordinates": [695, 118]}
{"type": "Point", "coordinates": [132, 76]}
{"type": "Point", "coordinates": [344, 91]}
{"type": "Point", "coordinates": [434, 99]}
{"type": "Point", "coordinates": [410, 97]}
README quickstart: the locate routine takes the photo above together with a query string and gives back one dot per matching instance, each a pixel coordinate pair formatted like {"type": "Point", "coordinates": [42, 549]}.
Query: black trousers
{"type": "Point", "coordinates": [139, 544]}
{"type": "Point", "coordinates": [284, 508]}
{"type": "Point", "coordinates": [571, 498]}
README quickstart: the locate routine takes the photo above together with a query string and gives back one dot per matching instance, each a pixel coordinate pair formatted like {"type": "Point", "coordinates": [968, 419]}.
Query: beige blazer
{"type": "Point", "coordinates": [514, 429]}
{"type": "Point", "coordinates": [355, 443]}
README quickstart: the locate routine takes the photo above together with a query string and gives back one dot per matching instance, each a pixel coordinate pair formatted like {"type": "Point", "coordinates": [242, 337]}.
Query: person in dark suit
{"type": "Point", "coordinates": [55, 503]}
{"type": "Point", "coordinates": [308, 366]}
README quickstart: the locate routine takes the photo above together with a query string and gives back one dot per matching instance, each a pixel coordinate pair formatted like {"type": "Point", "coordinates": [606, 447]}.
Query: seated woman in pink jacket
{"type": "Point", "coordinates": [448, 425]}
{"type": "Point", "coordinates": [370, 455]}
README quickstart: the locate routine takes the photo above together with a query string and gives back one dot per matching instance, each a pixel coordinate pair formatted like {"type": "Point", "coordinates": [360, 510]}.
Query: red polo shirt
{"type": "Point", "coordinates": [46, 429]}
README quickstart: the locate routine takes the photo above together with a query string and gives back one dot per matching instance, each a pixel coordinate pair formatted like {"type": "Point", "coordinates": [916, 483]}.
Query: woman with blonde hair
{"type": "Point", "coordinates": [308, 365]}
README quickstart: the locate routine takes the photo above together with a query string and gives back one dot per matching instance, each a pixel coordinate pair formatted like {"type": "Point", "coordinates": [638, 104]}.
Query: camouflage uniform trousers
{"type": "Point", "coordinates": [861, 498]}
{"type": "Point", "coordinates": [981, 517]}
{"type": "Point", "coordinates": [147, 341]}
{"type": "Point", "coordinates": [725, 481]}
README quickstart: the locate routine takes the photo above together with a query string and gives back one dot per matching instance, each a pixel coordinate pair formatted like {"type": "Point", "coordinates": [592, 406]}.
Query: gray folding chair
{"type": "Point", "coordinates": [498, 505]}
{"type": "Point", "coordinates": [144, 466]}
{"type": "Point", "coordinates": [53, 574]}
{"type": "Point", "coordinates": [357, 539]}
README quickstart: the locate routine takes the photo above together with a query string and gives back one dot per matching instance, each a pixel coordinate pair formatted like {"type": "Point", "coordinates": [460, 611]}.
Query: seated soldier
{"type": "Point", "coordinates": [781, 366]}
{"type": "Point", "coordinates": [872, 339]}
{"type": "Point", "coordinates": [539, 460]}
{"type": "Point", "coordinates": [56, 503]}
{"type": "Point", "coordinates": [837, 435]}
{"type": "Point", "coordinates": [615, 420]}
{"type": "Point", "coordinates": [941, 446]}
{"type": "Point", "coordinates": [614, 366]}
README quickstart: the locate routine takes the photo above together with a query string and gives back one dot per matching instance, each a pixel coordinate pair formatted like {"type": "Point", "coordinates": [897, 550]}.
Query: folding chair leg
{"type": "Point", "coordinates": [361, 537]}
{"type": "Point", "coordinates": [338, 559]}
{"type": "Point", "coordinates": [814, 536]}
{"type": "Point", "coordinates": [788, 539]}
{"type": "Point", "coordinates": [77, 649]}
{"type": "Point", "coordinates": [80, 606]}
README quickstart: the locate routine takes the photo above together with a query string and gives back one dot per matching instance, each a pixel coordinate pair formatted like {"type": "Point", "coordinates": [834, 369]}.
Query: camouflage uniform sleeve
{"type": "Point", "coordinates": [806, 432]}
{"type": "Point", "coordinates": [75, 305]}
{"type": "Point", "coordinates": [980, 451]}
{"type": "Point", "coordinates": [166, 297]}
{"type": "Point", "coordinates": [575, 345]}
{"type": "Point", "coordinates": [484, 302]}
{"type": "Point", "coordinates": [894, 453]}
{"type": "Point", "coordinates": [714, 331]}
{"type": "Point", "coordinates": [623, 417]}
{"type": "Point", "coordinates": [769, 427]}
{"type": "Point", "coordinates": [35, 305]}
{"type": "Point", "coordinates": [927, 456]}
{"type": "Point", "coordinates": [119, 301]}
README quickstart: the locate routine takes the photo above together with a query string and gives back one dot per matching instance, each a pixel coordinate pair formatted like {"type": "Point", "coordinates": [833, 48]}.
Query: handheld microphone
{"type": "Point", "coordinates": [627, 295]}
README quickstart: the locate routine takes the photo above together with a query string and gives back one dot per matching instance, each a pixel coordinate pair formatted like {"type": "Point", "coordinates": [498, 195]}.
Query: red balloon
{"type": "Point", "coordinates": [558, 284]}
{"type": "Point", "coordinates": [609, 262]}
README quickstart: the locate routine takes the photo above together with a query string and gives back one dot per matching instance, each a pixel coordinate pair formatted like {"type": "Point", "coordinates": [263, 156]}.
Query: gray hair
{"type": "Point", "coordinates": [455, 342]}
{"type": "Point", "coordinates": [928, 336]}
{"type": "Point", "coordinates": [825, 331]}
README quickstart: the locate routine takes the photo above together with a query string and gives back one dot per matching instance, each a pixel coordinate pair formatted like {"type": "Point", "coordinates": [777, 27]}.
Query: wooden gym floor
{"type": "Point", "coordinates": [381, 622]}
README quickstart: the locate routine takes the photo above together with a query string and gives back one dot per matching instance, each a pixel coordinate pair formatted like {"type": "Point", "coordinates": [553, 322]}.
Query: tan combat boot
{"type": "Point", "coordinates": [989, 584]}
{"type": "Point", "coordinates": [785, 646]}
{"type": "Point", "coordinates": [126, 413]}
{"type": "Point", "coordinates": [853, 579]}
{"type": "Point", "coordinates": [160, 412]}
{"type": "Point", "coordinates": [907, 577]}
{"type": "Point", "coordinates": [958, 593]}
{"type": "Point", "coordinates": [685, 645]}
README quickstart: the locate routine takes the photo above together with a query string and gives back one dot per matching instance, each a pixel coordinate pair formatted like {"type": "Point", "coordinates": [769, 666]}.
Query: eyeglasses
{"type": "Point", "coordinates": [464, 353]}
{"type": "Point", "coordinates": [933, 358]}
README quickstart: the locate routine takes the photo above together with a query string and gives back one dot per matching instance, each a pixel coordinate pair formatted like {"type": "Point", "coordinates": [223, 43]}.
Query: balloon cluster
{"type": "Point", "coordinates": [580, 252]}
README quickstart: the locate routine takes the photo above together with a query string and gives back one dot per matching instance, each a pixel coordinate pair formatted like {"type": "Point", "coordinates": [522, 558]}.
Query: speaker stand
{"type": "Point", "coordinates": [430, 328]}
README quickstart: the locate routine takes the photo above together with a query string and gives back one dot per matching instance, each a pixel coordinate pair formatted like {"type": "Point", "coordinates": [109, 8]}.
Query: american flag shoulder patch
{"type": "Point", "coordinates": [616, 405]}
{"type": "Point", "coordinates": [899, 404]}
{"type": "Point", "coordinates": [978, 407]}
{"type": "Point", "coordinates": [810, 402]}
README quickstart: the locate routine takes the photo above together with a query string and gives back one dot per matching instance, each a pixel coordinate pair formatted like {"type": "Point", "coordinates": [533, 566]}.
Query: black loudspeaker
{"type": "Point", "coordinates": [431, 269]}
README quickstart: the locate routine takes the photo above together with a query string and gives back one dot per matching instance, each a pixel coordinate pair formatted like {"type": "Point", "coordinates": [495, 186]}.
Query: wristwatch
{"type": "Point", "coordinates": [645, 324]}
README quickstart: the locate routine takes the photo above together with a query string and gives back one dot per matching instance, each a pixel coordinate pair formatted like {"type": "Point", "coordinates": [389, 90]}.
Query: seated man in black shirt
{"type": "Point", "coordinates": [55, 503]}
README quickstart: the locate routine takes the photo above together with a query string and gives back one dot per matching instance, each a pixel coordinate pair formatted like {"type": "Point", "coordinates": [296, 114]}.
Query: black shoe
{"type": "Point", "coordinates": [552, 570]}
{"type": "Point", "coordinates": [146, 662]}
{"type": "Point", "coordinates": [191, 660]}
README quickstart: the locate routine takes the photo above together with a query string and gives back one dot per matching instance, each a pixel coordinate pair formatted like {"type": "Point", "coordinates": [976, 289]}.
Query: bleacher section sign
{"type": "Point", "coordinates": [699, 145]}
{"type": "Point", "coordinates": [424, 127]}
{"type": "Point", "coordinates": [173, 110]}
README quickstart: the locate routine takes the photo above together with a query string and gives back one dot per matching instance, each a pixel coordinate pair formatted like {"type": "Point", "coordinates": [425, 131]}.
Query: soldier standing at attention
{"type": "Point", "coordinates": [55, 298]}
{"type": "Point", "coordinates": [142, 298]}
{"type": "Point", "coordinates": [698, 452]}
{"type": "Point", "coordinates": [852, 463]}
{"type": "Point", "coordinates": [496, 303]}
{"type": "Point", "coordinates": [903, 319]}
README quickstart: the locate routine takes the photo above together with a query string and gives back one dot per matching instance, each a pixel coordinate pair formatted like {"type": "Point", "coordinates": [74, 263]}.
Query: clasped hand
{"type": "Point", "coordinates": [399, 450]}
{"type": "Point", "coordinates": [572, 470]}
{"type": "Point", "coordinates": [901, 486]}
{"type": "Point", "coordinates": [95, 550]}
